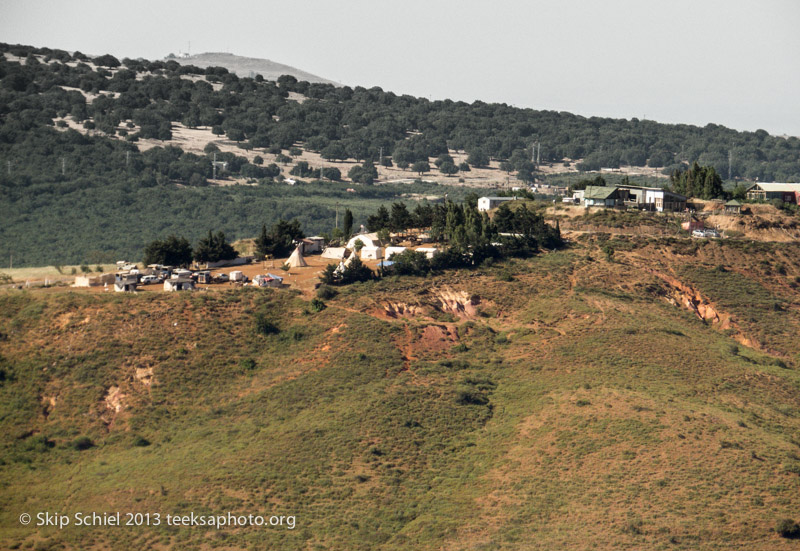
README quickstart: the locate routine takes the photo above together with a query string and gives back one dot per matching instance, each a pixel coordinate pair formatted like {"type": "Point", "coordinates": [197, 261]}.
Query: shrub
{"type": "Point", "coordinates": [39, 443]}
{"type": "Point", "coordinates": [325, 292]}
{"type": "Point", "coordinates": [141, 442]}
{"type": "Point", "coordinates": [505, 276]}
{"type": "Point", "coordinates": [467, 397]}
{"type": "Point", "coordinates": [264, 326]}
{"type": "Point", "coordinates": [82, 443]}
{"type": "Point", "coordinates": [789, 529]}
{"type": "Point", "coordinates": [247, 364]}
{"type": "Point", "coordinates": [318, 305]}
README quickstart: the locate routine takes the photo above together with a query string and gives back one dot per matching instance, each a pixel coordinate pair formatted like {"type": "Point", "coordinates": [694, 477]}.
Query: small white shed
{"type": "Point", "coordinates": [371, 253]}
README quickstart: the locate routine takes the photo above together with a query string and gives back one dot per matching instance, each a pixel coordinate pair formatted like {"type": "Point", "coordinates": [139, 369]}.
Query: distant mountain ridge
{"type": "Point", "coordinates": [248, 66]}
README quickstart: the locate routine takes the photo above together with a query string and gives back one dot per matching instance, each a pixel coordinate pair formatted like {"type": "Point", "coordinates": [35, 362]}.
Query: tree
{"type": "Point", "coordinates": [264, 243]}
{"type": "Point", "coordinates": [478, 158]}
{"type": "Point", "coordinates": [448, 168]}
{"type": "Point", "coordinates": [443, 158]}
{"type": "Point", "coordinates": [420, 167]}
{"type": "Point", "coordinates": [525, 175]}
{"type": "Point", "coordinates": [400, 218]}
{"type": "Point", "coordinates": [363, 174]}
{"type": "Point", "coordinates": [347, 225]}
{"type": "Point", "coordinates": [355, 272]}
{"type": "Point", "coordinates": [331, 173]}
{"type": "Point", "coordinates": [334, 151]}
{"type": "Point", "coordinates": [283, 235]}
{"type": "Point", "coordinates": [214, 248]}
{"type": "Point", "coordinates": [378, 221]}
{"type": "Point", "coordinates": [172, 251]}
{"type": "Point", "coordinates": [107, 60]}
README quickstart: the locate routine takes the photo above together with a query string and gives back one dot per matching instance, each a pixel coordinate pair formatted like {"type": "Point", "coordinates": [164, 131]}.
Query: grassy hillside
{"type": "Point", "coordinates": [580, 401]}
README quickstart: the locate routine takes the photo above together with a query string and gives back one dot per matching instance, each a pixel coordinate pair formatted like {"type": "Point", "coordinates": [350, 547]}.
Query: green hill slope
{"type": "Point", "coordinates": [582, 401]}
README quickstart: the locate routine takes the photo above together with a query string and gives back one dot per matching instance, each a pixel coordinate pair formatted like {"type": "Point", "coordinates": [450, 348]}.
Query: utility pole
{"type": "Point", "coordinates": [63, 166]}
{"type": "Point", "coordinates": [380, 158]}
{"type": "Point", "coordinates": [9, 168]}
{"type": "Point", "coordinates": [730, 162]}
{"type": "Point", "coordinates": [127, 157]}
{"type": "Point", "coordinates": [214, 168]}
{"type": "Point", "coordinates": [337, 214]}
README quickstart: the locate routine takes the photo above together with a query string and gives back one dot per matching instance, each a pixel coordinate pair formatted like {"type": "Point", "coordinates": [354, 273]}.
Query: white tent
{"type": "Point", "coordinates": [334, 252]}
{"type": "Point", "coordinates": [393, 250]}
{"type": "Point", "coordinates": [345, 263]}
{"type": "Point", "coordinates": [371, 253]}
{"type": "Point", "coordinates": [297, 260]}
{"type": "Point", "coordinates": [367, 239]}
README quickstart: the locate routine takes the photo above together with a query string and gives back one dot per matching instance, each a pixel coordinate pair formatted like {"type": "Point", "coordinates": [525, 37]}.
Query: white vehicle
{"type": "Point", "coordinates": [148, 279]}
{"type": "Point", "coordinates": [221, 278]}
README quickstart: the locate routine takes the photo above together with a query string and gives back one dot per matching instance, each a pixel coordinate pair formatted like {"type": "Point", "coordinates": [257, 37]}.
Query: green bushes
{"type": "Point", "coordinates": [263, 326]}
{"type": "Point", "coordinates": [141, 442]}
{"type": "Point", "coordinates": [82, 443]}
{"type": "Point", "coordinates": [326, 292]}
{"type": "Point", "coordinates": [789, 529]}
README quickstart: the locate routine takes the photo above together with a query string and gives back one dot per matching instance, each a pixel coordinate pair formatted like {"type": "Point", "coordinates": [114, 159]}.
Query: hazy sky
{"type": "Point", "coordinates": [733, 62]}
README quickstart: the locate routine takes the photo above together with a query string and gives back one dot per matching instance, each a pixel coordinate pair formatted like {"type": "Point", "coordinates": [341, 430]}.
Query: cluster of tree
{"type": "Point", "coordinates": [279, 240]}
{"type": "Point", "coordinates": [400, 218]}
{"type": "Point", "coordinates": [363, 174]}
{"type": "Point", "coordinates": [172, 251]}
{"type": "Point", "coordinates": [214, 248]}
{"type": "Point", "coordinates": [354, 272]}
{"type": "Point", "coordinates": [177, 251]}
{"type": "Point", "coordinates": [303, 170]}
{"type": "Point", "coordinates": [698, 181]}
{"type": "Point", "coordinates": [471, 237]}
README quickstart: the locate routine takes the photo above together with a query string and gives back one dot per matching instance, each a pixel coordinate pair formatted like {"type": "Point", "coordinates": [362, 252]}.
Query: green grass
{"type": "Point", "coordinates": [603, 408]}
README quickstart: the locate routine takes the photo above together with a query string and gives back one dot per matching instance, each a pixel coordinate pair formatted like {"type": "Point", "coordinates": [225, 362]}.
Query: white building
{"type": "Point", "coordinates": [179, 284]}
{"type": "Point", "coordinates": [125, 283]}
{"type": "Point", "coordinates": [488, 203]}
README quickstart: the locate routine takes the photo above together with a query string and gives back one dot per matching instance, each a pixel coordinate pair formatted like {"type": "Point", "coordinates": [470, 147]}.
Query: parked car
{"type": "Point", "coordinates": [149, 279]}
{"type": "Point", "coordinates": [221, 278]}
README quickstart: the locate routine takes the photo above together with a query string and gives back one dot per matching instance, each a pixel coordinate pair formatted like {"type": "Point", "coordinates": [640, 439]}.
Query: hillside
{"type": "Point", "coordinates": [248, 66]}
{"type": "Point", "coordinates": [129, 144]}
{"type": "Point", "coordinates": [645, 398]}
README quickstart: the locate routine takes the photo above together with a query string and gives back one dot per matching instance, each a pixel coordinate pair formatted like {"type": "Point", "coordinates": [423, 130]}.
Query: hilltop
{"type": "Point", "coordinates": [248, 66]}
{"type": "Point", "coordinates": [641, 399]}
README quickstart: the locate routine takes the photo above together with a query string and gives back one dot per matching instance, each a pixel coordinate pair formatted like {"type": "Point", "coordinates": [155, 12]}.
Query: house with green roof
{"type": "Point", "coordinates": [602, 196]}
{"type": "Point", "coordinates": [733, 207]}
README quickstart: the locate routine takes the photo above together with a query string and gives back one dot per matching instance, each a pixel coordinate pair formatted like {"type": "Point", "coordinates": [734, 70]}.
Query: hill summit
{"type": "Point", "coordinates": [248, 66]}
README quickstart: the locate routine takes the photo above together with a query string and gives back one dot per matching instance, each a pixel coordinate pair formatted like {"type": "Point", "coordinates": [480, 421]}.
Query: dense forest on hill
{"type": "Point", "coordinates": [47, 167]}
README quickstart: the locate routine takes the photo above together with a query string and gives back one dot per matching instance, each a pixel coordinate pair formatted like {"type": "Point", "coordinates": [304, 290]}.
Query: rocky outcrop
{"type": "Point", "coordinates": [460, 303]}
